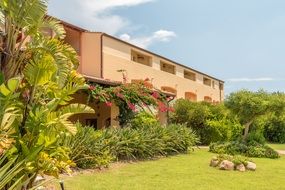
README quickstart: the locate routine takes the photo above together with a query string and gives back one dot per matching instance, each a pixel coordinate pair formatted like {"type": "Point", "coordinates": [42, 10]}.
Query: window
{"type": "Point", "coordinates": [207, 99]}
{"type": "Point", "coordinates": [221, 86]}
{"type": "Point", "coordinates": [213, 84]}
{"type": "Point", "coordinates": [167, 67]}
{"type": "Point", "coordinates": [169, 89]}
{"type": "Point", "coordinates": [91, 123]}
{"type": "Point", "coordinates": [141, 58]}
{"type": "Point", "coordinates": [191, 96]}
{"type": "Point", "coordinates": [207, 81]}
{"type": "Point", "coordinates": [190, 75]}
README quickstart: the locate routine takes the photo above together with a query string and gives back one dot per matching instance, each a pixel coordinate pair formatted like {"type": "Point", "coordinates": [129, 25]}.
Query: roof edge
{"type": "Point", "coordinates": [160, 56]}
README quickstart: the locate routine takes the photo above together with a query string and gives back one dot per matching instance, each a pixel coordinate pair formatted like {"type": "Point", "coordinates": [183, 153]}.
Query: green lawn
{"type": "Point", "coordinates": [277, 146]}
{"type": "Point", "coordinates": [182, 172]}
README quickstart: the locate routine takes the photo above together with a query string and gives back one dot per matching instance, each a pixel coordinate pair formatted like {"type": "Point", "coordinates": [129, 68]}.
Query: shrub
{"type": "Point", "coordinates": [88, 148]}
{"type": "Point", "coordinates": [91, 148]}
{"type": "Point", "coordinates": [274, 129]}
{"type": "Point", "coordinates": [255, 136]}
{"type": "Point", "coordinates": [232, 148]}
{"type": "Point", "coordinates": [236, 159]}
{"type": "Point", "coordinates": [212, 123]}
{"type": "Point", "coordinates": [143, 119]}
{"type": "Point", "coordinates": [145, 143]}
{"type": "Point", "coordinates": [252, 149]}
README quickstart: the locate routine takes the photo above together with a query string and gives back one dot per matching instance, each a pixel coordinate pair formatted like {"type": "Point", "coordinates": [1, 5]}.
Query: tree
{"type": "Point", "coordinates": [248, 106]}
{"type": "Point", "coordinates": [37, 80]}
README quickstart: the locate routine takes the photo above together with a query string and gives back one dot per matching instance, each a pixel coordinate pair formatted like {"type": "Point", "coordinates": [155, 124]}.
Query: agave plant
{"type": "Point", "coordinates": [37, 80]}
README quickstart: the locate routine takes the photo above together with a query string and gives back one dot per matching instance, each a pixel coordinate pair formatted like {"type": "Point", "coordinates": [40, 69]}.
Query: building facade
{"type": "Point", "coordinates": [104, 57]}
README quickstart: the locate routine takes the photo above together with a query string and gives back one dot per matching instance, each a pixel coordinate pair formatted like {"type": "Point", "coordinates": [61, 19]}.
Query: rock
{"type": "Point", "coordinates": [240, 168]}
{"type": "Point", "coordinates": [214, 162]}
{"type": "Point", "coordinates": [251, 166]}
{"type": "Point", "coordinates": [226, 165]}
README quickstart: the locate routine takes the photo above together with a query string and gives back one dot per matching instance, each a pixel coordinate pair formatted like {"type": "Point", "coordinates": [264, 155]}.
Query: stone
{"type": "Point", "coordinates": [214, 162]}
{"type": "Point", "coordinates": [226, 165]}
{"type": "Point", "coordinates": [240, 168]}
{"type": "Point", "coordinates": [251, 166]}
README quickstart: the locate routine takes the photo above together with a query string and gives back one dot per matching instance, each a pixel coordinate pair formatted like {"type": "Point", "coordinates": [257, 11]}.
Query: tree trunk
{"type": "Point", "coordinates": [246, 129]}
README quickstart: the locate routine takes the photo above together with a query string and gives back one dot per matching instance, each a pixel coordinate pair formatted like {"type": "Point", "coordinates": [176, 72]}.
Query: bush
{"type": "Point", "coordinates": [212, 123]}
{"type": "Point", "coordinates": [232, 148]}
{"type": "Point", "coordinates": [253, 149]}
{"type": "Point", "coordinates": [146, 143]}
{"type": "Point", "coordinates": [236, 159]}
{"type": "Point", "coordinates": [255, 137]}
{"type": "Point", "coordinates": [274, 129]}
{"type": "Point", "coordinates": [88, 148]}
{"type": "Point", "coordinates": [143, 119]}
{"type": "Point", "coordinates": [91, 148]}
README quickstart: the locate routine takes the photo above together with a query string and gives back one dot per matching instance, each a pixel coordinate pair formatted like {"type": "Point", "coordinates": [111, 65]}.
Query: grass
{"type": "Point", "coordinates": [182, 172]}
{"type": "Point", "coordinates": [277, 146]}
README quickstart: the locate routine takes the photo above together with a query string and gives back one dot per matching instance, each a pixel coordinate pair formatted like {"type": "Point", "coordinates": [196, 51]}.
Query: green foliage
{"type": "Point", "coordinates": [38, 79]}
{"type": "Point", "coordinates": [232, 148]}
{"type": "Point", "coordinates": [240, 148]}
{"type": "Point", "coordinates": [236, 159]}
{"type": "Point", "coordinates": [87, 148]}
{"type": "Point", "coordinates": [211, 123]}
{"type": "Point", "coordinates": [91, 148]}
{"type": "Point", "coordinates": [130, 97]}
{"type": "Point", "coordinates": [250, 106]}
{"type": "Point", "coordinates": [9, 173]}
{"type": "Point", "coordinates": [256, 136]}
{"type": "Point", "coordinates": [143, 119]}
{"type": "Point", "coordinates": [274, 128]}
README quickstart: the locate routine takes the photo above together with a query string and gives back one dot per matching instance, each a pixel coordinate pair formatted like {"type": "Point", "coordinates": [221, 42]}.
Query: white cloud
{"type": "Point", "coordinates": [261, 79]}
{"type": "Point", "coordinates": [94, 15]}
{"type": "Point", "coordinates": [98, 15]}
{"type": "Point", "coordinates": [146, 41]}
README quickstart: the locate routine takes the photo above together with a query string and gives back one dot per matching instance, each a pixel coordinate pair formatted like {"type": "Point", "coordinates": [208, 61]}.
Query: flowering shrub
{"type": "Point", "coordinates": [131, 94]}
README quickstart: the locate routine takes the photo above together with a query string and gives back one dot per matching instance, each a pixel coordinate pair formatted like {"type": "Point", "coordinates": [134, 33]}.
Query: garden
{"type": "Point", "coordinates": [38, 80]}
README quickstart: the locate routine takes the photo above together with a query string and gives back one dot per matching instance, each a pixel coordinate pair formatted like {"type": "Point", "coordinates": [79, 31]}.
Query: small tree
{"type": "Point", "coordinates": [248, 106]}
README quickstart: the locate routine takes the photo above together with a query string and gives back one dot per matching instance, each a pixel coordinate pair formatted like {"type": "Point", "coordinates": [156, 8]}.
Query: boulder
{"type": "Point", "coordinates": [226, 165]}
{"type": "Point", "coordinates": [240, 168]}
{"type": "Point", "coordinates": [251, 166]}
{"type": "Point", "coordinates": [214, 162]}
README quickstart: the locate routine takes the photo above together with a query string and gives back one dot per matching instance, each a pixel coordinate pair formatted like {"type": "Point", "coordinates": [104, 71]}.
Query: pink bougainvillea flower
{"type": "Point", "coordinates": [120, 95]}
{"type": "Point", "coordinates": [91, 87]}
{"type": "Point", "coordinates": [132, 106]}
{"type": "Point", "coordinates": [109, 104]}
{"type": "Point", "coordinates": [169, 98]}
{"type": "Point", "coordinates": [162, 107]}
{"type": "Point", "coordinates": [155, 94]}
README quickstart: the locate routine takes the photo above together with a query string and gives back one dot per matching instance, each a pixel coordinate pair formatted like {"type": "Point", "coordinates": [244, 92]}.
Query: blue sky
{"type": "Point", "coordinates": [239, 41]}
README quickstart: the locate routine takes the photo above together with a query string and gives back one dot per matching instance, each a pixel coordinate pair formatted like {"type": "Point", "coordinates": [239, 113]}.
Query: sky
{"type": "Point", "coordinates": [239, 41]}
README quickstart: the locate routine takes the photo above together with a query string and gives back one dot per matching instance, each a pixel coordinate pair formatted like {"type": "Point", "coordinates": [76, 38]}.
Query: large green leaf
{"type": "Point", "coordinates": [40, 71]}
{"type": "Point", "coordinates": [61, 117]}
{"type": "Point", "coordinates": [13, 84]}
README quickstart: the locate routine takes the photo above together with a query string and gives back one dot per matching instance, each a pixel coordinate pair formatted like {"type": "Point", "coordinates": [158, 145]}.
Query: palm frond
{"type": "Point", "coordinates": [39, 72]}
{"type": "Point", "coordinates": [55, 26]}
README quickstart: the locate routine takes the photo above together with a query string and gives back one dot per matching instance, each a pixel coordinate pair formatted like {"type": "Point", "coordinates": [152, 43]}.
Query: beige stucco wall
{"type": "Point", "coordinates": [91, 54]}
{"type": "Point", "coordinates": [117, 56]}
